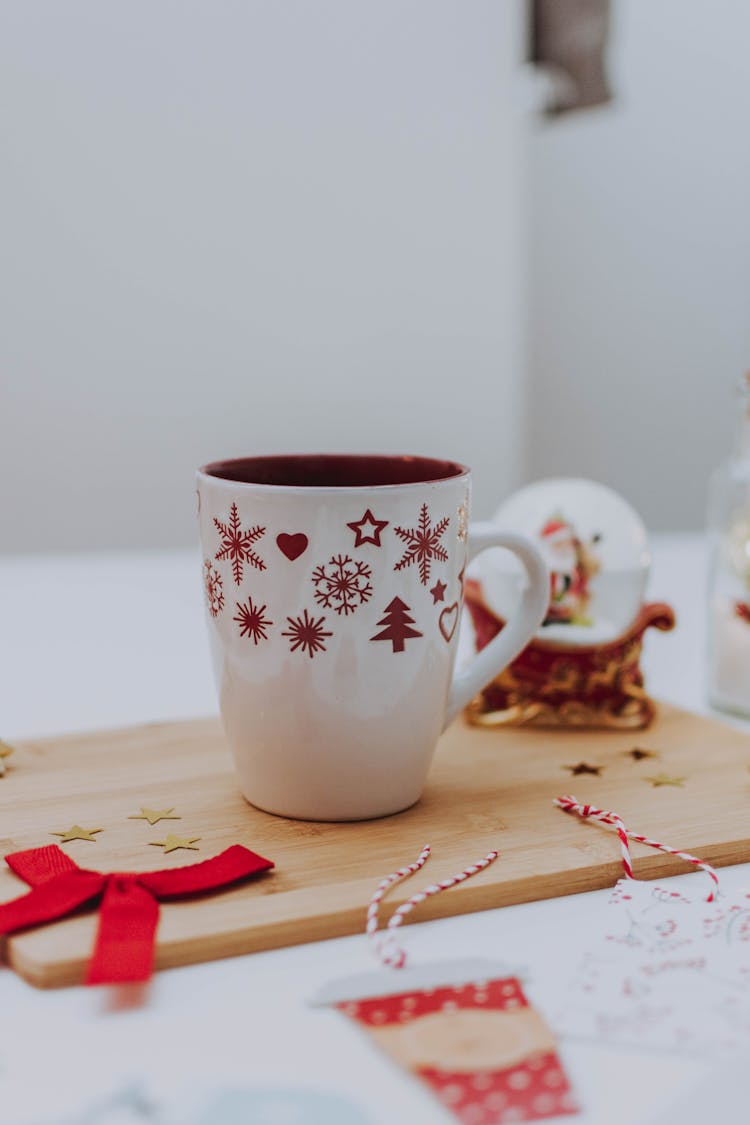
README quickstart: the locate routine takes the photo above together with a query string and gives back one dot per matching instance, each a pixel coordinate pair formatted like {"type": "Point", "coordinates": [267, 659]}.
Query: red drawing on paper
{"type": "Point", "coordinates": [438, 592]}
{"type": "Point", "coordinates": [292, 545]}
{"type": "Point", "coordinates": [397, 625]}
{"type": "Point", "coordinates": [306, 633]}
{"type": "Point", "coordinates": [214, 588]}
{"type": "Point", "coordinates": [344, 586]}
{"type": "Point", "coordinates": [368, 536]}
{"type": "Point", "coordinates": [251, 621]}
{"type": "Point", "coordinates": [423, 544]}
{"type": "Point", "coordinates": [236, 544]}
{"type": "Point", "coordinates": [448, 620]}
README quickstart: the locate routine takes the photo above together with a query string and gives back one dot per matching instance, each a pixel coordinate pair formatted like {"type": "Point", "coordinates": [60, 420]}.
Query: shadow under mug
{"type": "Point", "coordinates": [333, 587]}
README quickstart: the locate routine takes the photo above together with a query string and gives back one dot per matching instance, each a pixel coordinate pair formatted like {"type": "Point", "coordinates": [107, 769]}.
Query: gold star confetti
{"type": "Point", "coordinates": [153, 816]}
{"type": "Point", "coordinates": [462, 523]}
{"type": "Point", "coordinates": [77, 833]}
{"type": "Point", "coordinates": [638, 754]}
{"type": "Point", "coordinates": [173, 843]}
{"type": "Point", "coordinates": [584, 767]}
{"type": "Point", "coordinates": [664, 779]}
{"type": "Point", "coordinates": [5, 752]}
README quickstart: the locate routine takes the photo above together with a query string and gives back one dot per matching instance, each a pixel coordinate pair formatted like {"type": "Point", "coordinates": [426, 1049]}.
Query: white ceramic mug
{"type": "Point", "coordinates": [334, 586]}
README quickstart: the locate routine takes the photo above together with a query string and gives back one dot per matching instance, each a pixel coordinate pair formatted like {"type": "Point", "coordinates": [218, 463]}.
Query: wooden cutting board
{"type": "Point", "coordinates": [487, 788]}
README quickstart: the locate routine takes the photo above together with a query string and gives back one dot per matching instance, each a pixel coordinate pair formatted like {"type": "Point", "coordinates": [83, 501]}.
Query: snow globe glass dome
{"type": "Point", "coordinates": [596, 547]}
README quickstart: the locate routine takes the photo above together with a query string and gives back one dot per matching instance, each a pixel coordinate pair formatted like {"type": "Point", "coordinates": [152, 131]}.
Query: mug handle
{"type": "Point", "coordinates": [519, 629]}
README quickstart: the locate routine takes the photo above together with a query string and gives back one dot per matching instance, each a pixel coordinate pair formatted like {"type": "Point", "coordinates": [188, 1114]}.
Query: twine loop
{"type": "Point", "coordinates": [569, 804]}
{"type": "Point", "coordinates": [387, 947]}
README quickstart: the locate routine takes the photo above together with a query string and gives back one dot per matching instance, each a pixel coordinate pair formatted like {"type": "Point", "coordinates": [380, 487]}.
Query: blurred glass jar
{"type": "Point", "coordinates": [729, 576]}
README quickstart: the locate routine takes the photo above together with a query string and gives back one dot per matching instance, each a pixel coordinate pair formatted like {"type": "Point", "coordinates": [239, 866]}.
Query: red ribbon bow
{"type": "Point", "coordinates": [129, 913]}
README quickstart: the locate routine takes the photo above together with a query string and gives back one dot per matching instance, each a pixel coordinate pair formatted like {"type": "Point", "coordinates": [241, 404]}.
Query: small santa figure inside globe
{"type": "Point", "coordinates": [573, 563]}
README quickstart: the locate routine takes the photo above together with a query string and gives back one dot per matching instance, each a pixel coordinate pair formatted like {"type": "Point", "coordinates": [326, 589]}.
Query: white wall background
{"type": "Point", "coordinates": [640, 262]}
{"type": "Point", "coordinates": [242, 226]}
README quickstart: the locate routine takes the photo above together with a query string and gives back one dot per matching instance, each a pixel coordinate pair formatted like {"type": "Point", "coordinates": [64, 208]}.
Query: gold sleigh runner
{"type": "Point", "coordinates": [554, 684]}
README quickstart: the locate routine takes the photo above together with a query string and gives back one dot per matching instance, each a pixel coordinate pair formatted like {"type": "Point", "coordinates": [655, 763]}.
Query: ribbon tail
{"type": "Point", "coordinates": [50, 900]}
{"type": "Point", "coordinates": [124, 948]}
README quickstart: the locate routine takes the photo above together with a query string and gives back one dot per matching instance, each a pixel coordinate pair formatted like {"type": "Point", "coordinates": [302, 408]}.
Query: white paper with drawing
{"type": "Point", "coordinates": [667, 971]}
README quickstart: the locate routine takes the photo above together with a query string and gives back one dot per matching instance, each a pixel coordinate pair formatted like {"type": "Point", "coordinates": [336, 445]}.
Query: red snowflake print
{"type": "Point", "coordinates": [251, 621]}
{"type": "Point", "coordinates": [423, 544]}
{"type": "Point", "coordinates": [344, 586]}
{"type": "Point", "coordinates": [306, 633]}
{"type": "Point", "coordinates": [236, 544]}
{"type": "Point", "coordinates": [214, 588]}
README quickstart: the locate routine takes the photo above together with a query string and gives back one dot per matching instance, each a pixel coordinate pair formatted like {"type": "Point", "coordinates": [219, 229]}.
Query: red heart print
{"type": "Point", "coordinates": [292, 545]}
{"type": "Point", "coordinates": [448, 620]}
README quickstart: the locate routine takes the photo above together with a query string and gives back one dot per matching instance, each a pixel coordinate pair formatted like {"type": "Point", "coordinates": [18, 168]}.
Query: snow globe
{"type": "Point", "coordinates": [582, 667]}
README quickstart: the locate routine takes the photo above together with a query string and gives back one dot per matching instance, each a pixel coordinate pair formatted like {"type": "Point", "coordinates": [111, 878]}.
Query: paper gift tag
{"type": "Point", "coordinates": [464, 1028]}
{"type": "Point", "coordinates": [668, 970]}
{"type": "Point", "coordinates": [487, 1055]}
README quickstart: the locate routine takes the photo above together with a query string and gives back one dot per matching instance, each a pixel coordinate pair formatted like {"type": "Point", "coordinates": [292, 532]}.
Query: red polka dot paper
{"type": "Point", "coordinates": [481, 1048]}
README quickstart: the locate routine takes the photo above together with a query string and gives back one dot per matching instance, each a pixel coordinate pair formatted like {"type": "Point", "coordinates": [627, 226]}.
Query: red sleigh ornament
{"type": "Point", "coordinates": [557, 684]}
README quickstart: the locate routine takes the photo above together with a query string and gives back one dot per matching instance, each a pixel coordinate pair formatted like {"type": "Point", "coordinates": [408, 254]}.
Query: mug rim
{"type": "Point", "coordinates": [322, 469]}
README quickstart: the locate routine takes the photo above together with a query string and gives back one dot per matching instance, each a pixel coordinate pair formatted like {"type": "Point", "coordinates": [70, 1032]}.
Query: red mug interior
{"type": "Point", "coordinates": [334, 470]}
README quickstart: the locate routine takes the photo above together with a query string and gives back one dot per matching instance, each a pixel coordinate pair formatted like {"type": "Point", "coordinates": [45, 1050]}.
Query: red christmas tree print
{"type": "Point", "coordinates": [344, 586]}
{"type": "Point", "coordinates": [423, 544]}
{"type": "Point", "coordinates": [251, 621]}
{"type": "Point", "coordinates": [236, 544]}
{"type": "Point", "coordinates": [397, 625]}
{"type": "Point", "coordinates": [306, 633]}
{"type": "Point", "coordinates": [214, 588]}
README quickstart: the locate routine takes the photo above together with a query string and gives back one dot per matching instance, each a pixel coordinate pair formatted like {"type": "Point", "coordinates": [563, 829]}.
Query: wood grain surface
{"type": "Point", "coordinates": [487, 788]}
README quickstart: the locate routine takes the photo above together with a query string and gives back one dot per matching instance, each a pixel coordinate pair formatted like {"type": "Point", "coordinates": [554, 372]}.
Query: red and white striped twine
{"type": "Point", "coordinates": [387, 948]}
{"type": "Point", "coordinates": [382, 888]}
{"type": "Point", "coordinates": [589, 812]}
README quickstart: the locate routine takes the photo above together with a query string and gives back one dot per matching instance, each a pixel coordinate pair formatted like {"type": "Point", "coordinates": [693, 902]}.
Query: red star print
{"type": "Point", "coordinates": [368, 520]}
{"type": "Point", "coordinates": [438, 592]}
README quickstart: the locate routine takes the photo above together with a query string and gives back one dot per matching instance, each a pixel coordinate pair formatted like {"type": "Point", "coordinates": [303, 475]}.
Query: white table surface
{"type": "Point", "coordinates": [100, 640]}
